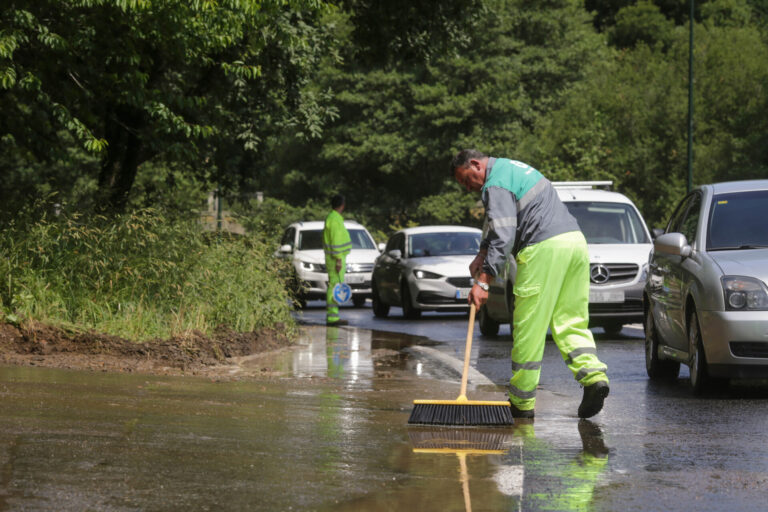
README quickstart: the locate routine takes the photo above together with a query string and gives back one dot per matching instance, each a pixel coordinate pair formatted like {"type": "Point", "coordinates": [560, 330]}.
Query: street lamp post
{"type": "Point", "coordinates": [690, 100]}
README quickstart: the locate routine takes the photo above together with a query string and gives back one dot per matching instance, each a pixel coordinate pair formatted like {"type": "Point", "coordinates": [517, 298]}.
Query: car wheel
{"type": "Point", "coordinates": [488, 326]}
{"type": "Point", "coordinates": [613, 328]}
{"type": "Point", "coordinates": [658, 369]}
{"type": "Point", "coordinates": [409, 311]}
{"type": "Point", "coordinates": [700, 380]}
{"type": "Point", "coordinates": [380, 310]}
{"type": "Point", "coordinates": [358, 300]}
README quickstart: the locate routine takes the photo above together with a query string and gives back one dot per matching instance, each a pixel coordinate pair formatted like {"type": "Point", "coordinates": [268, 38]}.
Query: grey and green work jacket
{"type": "Point", "coordinates": [521, 208]}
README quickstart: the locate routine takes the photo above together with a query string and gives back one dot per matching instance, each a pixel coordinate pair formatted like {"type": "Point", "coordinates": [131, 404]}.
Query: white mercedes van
{"type": "Point", "coordinates": [619, 245]}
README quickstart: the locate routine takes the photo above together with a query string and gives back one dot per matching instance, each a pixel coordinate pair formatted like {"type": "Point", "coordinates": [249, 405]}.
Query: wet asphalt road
{"type": "Point", "coordinates": [324, 427]}
{"type": "Point", "coordinates": [669, 449]}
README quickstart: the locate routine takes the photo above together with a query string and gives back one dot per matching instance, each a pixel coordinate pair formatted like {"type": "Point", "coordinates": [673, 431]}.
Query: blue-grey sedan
{"type": "Point", "coordinates": [706, 299]}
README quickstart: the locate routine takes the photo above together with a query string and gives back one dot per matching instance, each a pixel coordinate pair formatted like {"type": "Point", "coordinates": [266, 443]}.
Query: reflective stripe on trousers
{"type": "Point", "coordinates": [552, 291]}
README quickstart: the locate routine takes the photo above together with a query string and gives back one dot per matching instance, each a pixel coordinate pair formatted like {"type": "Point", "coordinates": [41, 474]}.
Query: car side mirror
{"type": "Point", "coordinates": [382, 246]}
{"type": "Point", "coordinates": [395, 254]}
{"type": "Point", "coordinates": [286, 249]}
{"type": "Point", "coordinates": [656, 233]}
{"type": "Point", "coordinates": [672, 243]}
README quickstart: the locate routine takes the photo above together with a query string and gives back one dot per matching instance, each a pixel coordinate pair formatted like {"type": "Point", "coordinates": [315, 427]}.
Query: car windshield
{"type": "Point", "coordinates": [737, 221]}
{"type": "Point", "coordinates": [310, 239]}
{"type": "Point", "coordinates": [608, 223]}
{"type": "Point", "coordinates": [443, 244]}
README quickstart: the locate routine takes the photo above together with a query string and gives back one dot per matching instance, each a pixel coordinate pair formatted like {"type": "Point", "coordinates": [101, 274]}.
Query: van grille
{"type": "Point", "coordinates": [612, 273]}
{"type": "Point", "coordinates": [359, 267]}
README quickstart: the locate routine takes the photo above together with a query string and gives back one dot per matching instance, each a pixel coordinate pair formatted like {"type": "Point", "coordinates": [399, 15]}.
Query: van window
{"type": "Point", "coordinates": [608, 223]}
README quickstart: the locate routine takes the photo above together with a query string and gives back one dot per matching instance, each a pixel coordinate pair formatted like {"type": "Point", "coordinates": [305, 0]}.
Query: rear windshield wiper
{"type": "Point", "coordinates": [739, 247]}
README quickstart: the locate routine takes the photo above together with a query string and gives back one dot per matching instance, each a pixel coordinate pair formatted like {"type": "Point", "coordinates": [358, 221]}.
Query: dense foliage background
{"type": "Point", "coordinates": [110, 106]}
{"type": "Point", "coordinates": [114, 104]}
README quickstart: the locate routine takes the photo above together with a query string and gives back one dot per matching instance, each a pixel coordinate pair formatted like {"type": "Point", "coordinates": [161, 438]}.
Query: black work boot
{"type": "Point", "coordinates": [519, 413]}
{"type": "Point", "coordinates": [592, 402]}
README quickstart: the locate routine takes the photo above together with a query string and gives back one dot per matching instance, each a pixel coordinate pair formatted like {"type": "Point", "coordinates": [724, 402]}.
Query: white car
{"type": "Point", "coordinates": [619, 245]}
{"type": "Point", "coordinates": [425, 268]}
{"type": "Point", "coordinates": [303, 243]}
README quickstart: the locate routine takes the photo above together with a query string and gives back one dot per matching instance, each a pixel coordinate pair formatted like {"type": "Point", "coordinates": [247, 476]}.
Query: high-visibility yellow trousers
{"type": "Point", "coordinates": [552, 291]}
{"type": "Point", "coordinates": [334, 278]}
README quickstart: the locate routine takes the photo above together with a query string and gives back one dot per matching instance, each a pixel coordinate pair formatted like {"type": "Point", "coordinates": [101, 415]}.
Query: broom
{"type": "Point", "coordinates": [462, 412]}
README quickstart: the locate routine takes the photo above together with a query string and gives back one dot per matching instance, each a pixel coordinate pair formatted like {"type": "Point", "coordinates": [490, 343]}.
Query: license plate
{"type": "Point", "coordinates": [606, 296]}
{"type": "Point", "coordinates": [354, 278]}
{"type": "Point", "coordinates": [462, 293]}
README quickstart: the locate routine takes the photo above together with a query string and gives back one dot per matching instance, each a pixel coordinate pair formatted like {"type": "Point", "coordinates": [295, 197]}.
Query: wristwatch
{"type": "Point", "coordinates": [482, 285]}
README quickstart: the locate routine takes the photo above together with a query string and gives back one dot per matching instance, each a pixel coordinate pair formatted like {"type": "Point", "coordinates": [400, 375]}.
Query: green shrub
{"type": "Point", "coordinates": [140, 275]}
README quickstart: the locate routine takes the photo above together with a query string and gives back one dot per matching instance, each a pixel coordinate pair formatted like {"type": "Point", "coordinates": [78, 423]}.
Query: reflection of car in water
{"type": "Point", "coordinates": [303, 243]}
{"type": "Point", "coordinates": [425, 268]}
{"type": "Point", "coordinates": [706, 297]}
{"type": "Point", "coordinates": [619, 244]}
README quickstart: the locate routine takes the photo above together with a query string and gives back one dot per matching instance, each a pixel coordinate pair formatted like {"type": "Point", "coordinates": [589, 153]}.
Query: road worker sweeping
{"type": "Point", "coordinates": [527, 221]}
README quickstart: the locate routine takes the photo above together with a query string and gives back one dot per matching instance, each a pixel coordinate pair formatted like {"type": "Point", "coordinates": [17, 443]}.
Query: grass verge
{"type": "Point", "coordinates": [141, 275]}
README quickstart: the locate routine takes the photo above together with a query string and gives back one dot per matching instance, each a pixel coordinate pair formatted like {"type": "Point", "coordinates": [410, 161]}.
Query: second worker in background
{"type": "Point", "coordinates": [336, 245]}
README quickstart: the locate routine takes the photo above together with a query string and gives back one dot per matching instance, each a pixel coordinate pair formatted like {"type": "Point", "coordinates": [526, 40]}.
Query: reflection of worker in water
{"type": "Point", "coordinates": [337, 352]}
{"type": "Point", "coordinates": [561, 484]}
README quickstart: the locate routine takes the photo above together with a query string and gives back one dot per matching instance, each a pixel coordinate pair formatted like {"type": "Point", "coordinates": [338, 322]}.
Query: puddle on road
{"type": "Point", "coordinates": [332, 435]}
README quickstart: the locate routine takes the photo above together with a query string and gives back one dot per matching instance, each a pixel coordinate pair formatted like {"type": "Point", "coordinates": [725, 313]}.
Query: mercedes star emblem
{"type": "Point", "coordinates": [599, 274]}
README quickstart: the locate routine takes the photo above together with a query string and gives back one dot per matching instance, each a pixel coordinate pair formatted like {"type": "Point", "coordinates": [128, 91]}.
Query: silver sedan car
{"type": "Point", "coordinates": [706, 299]}
{"type": "Point", "coordinates": [425, 268]}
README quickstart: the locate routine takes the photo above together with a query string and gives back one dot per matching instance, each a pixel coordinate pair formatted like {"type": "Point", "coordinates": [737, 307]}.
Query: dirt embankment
{"type": "Point", "coordinates": [189, 354]}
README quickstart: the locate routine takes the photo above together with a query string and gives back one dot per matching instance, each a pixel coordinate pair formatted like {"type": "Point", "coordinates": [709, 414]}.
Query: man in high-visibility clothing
{"type": "Point", "coordinates": [336, 244]}
{"type": "Point", "coordinates": [526, 220]}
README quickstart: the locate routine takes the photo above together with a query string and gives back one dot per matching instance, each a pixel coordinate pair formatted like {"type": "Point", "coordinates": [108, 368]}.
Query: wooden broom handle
{"type": "Point", "coordinates": [467, 350]}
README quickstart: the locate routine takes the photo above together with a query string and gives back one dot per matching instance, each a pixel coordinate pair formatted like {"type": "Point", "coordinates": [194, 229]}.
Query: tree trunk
{"type": "Point", "coordinates": [120, 165]}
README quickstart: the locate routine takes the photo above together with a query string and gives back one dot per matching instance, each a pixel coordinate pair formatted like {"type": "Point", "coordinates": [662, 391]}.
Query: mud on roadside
{"type": "Point", "coordinates": [193, 353]}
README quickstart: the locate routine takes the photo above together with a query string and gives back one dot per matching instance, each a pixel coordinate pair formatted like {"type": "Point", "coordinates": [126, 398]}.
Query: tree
{"type": "Point", "coordinates": [139, 80]}
{"type": "Point", "coordinates": [400, 122]}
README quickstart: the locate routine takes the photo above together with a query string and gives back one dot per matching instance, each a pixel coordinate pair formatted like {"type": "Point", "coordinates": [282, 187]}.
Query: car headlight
{"type": "Point", "coordinates": [313, 267]}
{"type": "Point", "coordinates": [423, 274]}
{"type": "Point", "coordinates": [643, 272]}
{"type": "Point", "coordinates": [744, 293]}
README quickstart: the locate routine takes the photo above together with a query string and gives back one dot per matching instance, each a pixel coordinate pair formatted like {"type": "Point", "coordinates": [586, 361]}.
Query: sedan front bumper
{"type": "Point", "coordinates": [441, 294]}
{"type": "Point", "coordinates": [736, 343]}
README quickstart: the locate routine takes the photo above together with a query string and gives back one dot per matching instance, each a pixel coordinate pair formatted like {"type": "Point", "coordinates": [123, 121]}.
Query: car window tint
{"type": "Point", "coordinates": [691, 219]}
{"type": "Point", "coordinates": [608, 223]}
{"type": "Point", "coordinates": [361, 239]}
{"type": "Point", "coordinates": [443, 244]}
{"type": "Point", "coordinates": [738, 220]}
{"type": "Point", "coordinates": [310, 239]}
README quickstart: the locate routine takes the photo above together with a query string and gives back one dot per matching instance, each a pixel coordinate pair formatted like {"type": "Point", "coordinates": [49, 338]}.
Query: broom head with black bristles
{"type": "Point", "coordinates": [462, 412]}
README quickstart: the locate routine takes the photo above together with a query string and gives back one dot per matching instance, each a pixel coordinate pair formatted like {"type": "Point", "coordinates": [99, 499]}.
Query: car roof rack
{"type": "Point", "coordinates": [583, 184]}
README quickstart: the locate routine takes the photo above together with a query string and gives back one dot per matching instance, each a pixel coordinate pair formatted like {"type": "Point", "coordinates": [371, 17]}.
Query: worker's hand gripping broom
{"type": "Point", "coordinates": [462, 412]}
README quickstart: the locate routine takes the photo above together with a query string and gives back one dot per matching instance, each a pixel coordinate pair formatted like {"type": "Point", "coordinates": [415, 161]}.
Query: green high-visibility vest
{"type": "Point", "coordinates": [336, 240]}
